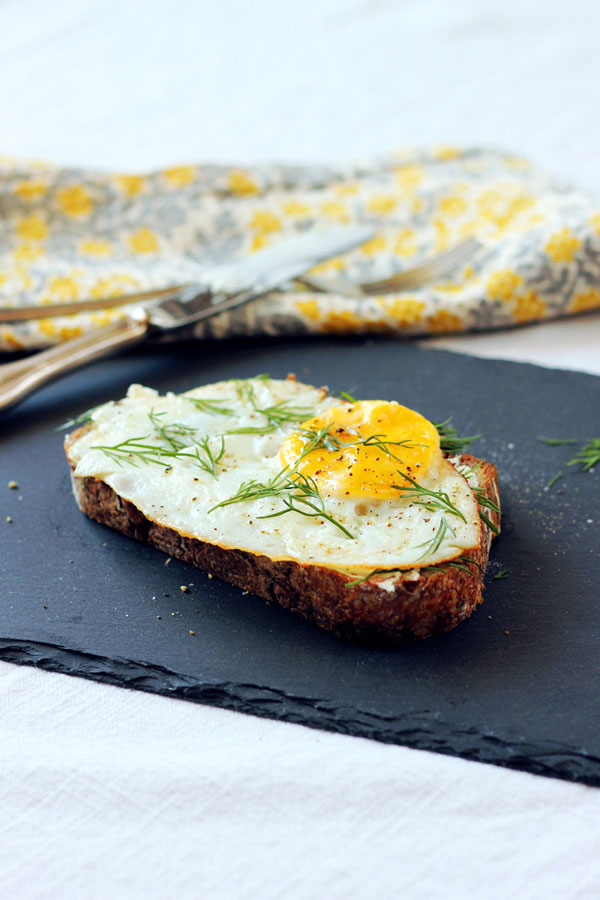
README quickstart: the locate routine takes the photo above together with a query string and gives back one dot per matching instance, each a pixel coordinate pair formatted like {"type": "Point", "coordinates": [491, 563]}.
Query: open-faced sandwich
{"type": "Point", "coordinates": [362, 516]}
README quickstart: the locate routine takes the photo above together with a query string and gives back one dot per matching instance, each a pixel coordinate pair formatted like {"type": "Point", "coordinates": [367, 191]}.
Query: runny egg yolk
{"type": "Point", "coordinates": [361, 450]}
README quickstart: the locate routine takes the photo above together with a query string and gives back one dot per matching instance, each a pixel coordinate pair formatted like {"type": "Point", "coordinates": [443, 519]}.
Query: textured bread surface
{"type": "Point", "coordinates": [410, 609]}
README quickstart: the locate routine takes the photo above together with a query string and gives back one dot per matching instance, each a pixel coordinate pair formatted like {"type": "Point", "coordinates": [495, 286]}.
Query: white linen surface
{"type": "Point", "coordinates": [106, 792]}
{"type": "Point", "coordinates": [112, 793]}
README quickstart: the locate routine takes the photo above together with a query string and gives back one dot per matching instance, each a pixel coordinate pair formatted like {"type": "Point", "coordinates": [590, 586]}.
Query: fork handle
{"type": "Point", "coordinates": [18, 379]}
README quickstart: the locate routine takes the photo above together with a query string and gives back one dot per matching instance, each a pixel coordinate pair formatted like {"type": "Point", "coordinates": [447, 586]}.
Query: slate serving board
{"type": "Point", "coordinates": [516, 685]}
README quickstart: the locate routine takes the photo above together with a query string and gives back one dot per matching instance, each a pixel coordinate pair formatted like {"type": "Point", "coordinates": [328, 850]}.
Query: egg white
{"type": "Point", "coordinates": [180, 495]}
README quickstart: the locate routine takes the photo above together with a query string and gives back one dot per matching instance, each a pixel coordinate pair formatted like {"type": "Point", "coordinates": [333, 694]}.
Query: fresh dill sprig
{"type": "Point", "coordinates": [171, 432]}
{"type": "Point", "coordinates": [483, 500]}
{"type": "Point", "coordinates": [135, 451]}
{"type": "Point", "coordinates": [372, 574]}
{"type": "Point", "coordinates": [324, 438]}
{"type": "Point", "coordinates": [471, 471]}
{"type": "Point", "coordinates": [461, 562]}
{"type": "Point", "coordinates": [587, 456]}
{"type": "Point", "coordinates": [276, 415]}
{"type": "Point", "coordinates": [210, 406]}
{"type": "Point", "coordinates": [556, 442]}
{"type": "Point", "coordinates": [299, 493]}
{"type": "Point", "coordinates": [449, 441]}
{"type": "Point", "coordinates": [348, 397]}
{"type": "Point", "coordinates": [82, 419]}
{"type": "Point", "coordinates": [435, 543]}
{"type": "Point", "coordinates": [208, 461]}
{"type": "Point", "coordinates": [200, 450]}
{"type": "Point", "coordinates": [503, 573]}
{"type": "Point", "coordinates": [428, 499]}
{"type": "Point", "coordinates": [554, 479]}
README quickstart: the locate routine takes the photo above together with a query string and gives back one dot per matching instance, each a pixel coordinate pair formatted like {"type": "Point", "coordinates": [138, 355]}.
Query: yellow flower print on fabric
{"type": "Point", "coordinates": [48, 328]}
{"type": "Point", "coordinates": [297, 209]}
{"type": "Point", "coordinates": [28, 253]}
{"type": "Point", "coordinates": [180, 176]}
{"type": "Point", "coordinates": [563, 245]}
{"type": "Point", "coordinates": [241, 183]}
{"type": "Point", "coordinates": [75, 202]}
{"type": "Point", "coordinates": [333, 209]}
{"type": "Point", "coordinates": [9, 339]}
{"type": "Point", "coordinates": [265, 222]}
{"type": "Point", "coordinates": [405, 243]}
{"type": "Point", "coordinates": [132, 185]}
{"type": "Point", "coordinates": [30, 190]}
{"type": "Point", "coordinates": [442, 235]}
{"type": "Point", "coordinates": [335, 264]}
{"type": "Point", "coordinates": [382, 204]}
{"type": "Point", "coordinates": [503, 285]}
{"type": "Point", "coordinates": [259, 242]}
{"type": "Point", "coordinates": [95, 248]}
{"type": "Point", "coordinates": [404, 312]}
{"type": "Point", "coordinates": [348, 322]}
{"type": "Point", "coordinates": [517, 162]}
{"type": "Point", "coordinates": [452, 205]}
{"type": "Point", "coordinates": [374, 246]}
{"type": "Point", "coordinates": [528, 306]}
{"type": "Point", "coordinates": [24, 278]}
{"type": "Point", "coordinates": [408, 178]}
{"type": "Point", "coordinates": [62, 287]}
{"type": "Point", "coordinates": [585, 300]}
{"type": "Point", "coordinates": [419, 202]}
{"type": "Point", "coordinates": [32, 228]}
{"type": "Point", "coordinates": [310, 309]}
{"type": "Point", "coordinates": [445, 152]}
{"type": "Point", "coordinates": [143, 241]}
{"type": "Point", "coordinates": [443, 321]}
{"type": "Point", "coordinates": [502, 207]}
{"type": "Point", "coordinates": [67, 333]}
{"type": "Point", "coordinates": [114, 285]}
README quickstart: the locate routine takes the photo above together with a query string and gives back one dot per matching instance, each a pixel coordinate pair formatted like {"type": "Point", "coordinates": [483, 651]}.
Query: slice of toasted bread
{"type": "Point", "coordinates": [397, 607]}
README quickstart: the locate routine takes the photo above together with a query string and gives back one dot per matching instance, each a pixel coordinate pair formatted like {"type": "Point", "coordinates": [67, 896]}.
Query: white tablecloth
{"type": "Point", "coordinates": [111, 793]}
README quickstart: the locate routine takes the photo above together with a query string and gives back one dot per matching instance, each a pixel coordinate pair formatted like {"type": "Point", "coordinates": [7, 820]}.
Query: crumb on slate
{"type": "Point", "coordinates": [191, 632]}
{"type": "Point", "coordinates": [184, 589]}
{"type": "Point", "coordinates": [13, 485]}
{"type": "Point", "coordinates": [167, 561]}
{"type": "Point", "coordinates": [9, 519]}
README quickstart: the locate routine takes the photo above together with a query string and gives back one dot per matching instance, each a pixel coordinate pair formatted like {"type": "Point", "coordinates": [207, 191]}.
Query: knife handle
{"type": "Point", "coordinates": [18, 379]}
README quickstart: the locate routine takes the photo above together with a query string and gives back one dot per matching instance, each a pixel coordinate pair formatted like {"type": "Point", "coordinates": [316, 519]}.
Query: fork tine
{"type": "Point", "coordinates": [427, 271]}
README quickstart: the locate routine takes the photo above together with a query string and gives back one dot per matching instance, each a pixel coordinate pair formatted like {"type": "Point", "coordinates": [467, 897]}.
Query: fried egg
{"type": "Point", "coordinates": [282, 469]}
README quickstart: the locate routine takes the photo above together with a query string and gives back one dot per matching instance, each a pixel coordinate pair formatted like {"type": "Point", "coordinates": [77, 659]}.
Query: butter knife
{"type": "Point", "coordinates": [224, 288]}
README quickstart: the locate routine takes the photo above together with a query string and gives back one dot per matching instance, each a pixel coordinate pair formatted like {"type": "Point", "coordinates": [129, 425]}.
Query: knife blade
{"type": "Point", "coordinates": [226, 287]}
{"type": "Point", "coordinates": [235, 284]}
{"type": "Point", "coordinates": [316, 245]}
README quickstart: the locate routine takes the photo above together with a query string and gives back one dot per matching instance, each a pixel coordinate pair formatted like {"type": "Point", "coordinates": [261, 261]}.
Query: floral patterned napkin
{"type": "Point", "coordinates": [68, 234]}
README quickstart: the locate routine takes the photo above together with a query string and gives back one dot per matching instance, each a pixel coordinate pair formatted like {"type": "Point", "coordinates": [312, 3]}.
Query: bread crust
{"type": "Point", "coordinates": [412, 609]}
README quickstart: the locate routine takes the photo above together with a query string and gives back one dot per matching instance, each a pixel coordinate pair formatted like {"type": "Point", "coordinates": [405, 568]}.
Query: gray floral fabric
{"type": "Point", "coordinates": [69, 234]}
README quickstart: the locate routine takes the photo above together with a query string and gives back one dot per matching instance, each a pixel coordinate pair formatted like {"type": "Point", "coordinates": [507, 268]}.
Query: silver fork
{"type": "Point", "coordinates": [226, 288]}
{"type": "Point", "coordinates": [426, 272]}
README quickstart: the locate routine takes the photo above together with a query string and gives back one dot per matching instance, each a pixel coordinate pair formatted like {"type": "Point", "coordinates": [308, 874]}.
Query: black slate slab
{"type": "Point", "coordinates": [516, 685]}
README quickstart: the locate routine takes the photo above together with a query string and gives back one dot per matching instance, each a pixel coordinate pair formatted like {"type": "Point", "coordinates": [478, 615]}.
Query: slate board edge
{"type": "Point", "coordinates": [420, 730]}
